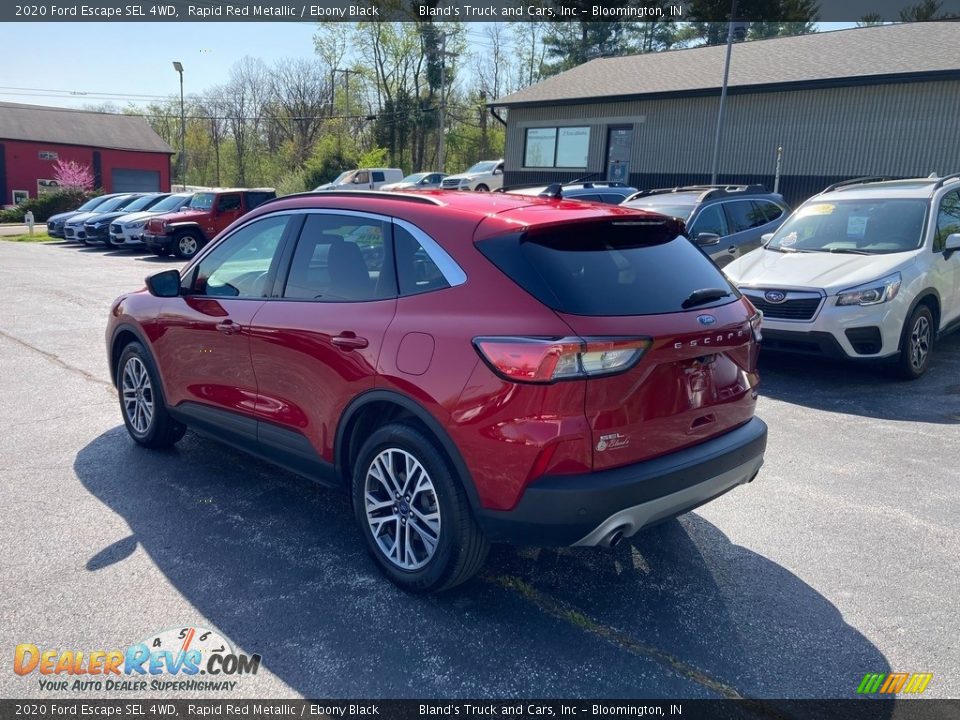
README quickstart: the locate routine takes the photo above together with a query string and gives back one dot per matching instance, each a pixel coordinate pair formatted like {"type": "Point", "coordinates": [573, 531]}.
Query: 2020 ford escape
{"type": "Point", "coordinates": [472, 368]}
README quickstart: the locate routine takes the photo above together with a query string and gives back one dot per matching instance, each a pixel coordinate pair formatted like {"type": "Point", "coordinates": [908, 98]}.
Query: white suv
{"type": "Point", "coordinates": [486, 175]}
{"type": "Point", "coordinates": [867, 269]}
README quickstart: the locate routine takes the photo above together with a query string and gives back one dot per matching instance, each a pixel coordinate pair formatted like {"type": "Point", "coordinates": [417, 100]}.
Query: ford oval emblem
{"type": "Point", "coordinates": [775, 296]}
{"type": "Point", "coordinates": [706, 319]}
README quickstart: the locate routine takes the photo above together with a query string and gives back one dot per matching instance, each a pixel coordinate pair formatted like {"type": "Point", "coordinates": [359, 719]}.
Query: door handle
{"type": "Point", "coordinates": [732, 249]}
{"type": "Point", "coordinates": [347, 341]}
{"type": "Point", "coordinates": [228, 327]}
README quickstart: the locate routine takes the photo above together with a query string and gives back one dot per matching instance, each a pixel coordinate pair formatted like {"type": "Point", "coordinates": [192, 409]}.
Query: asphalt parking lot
{"type": "Point", "coordinates": [840, 559]}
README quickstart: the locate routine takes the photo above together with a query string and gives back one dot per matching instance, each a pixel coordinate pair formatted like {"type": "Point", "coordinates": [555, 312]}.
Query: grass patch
{"type": "Point", "coordinates": [38, 236]}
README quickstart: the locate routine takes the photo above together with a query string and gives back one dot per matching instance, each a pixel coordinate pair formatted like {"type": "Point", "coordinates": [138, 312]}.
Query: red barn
{"type": "Point", "coordinates": [123, 151]}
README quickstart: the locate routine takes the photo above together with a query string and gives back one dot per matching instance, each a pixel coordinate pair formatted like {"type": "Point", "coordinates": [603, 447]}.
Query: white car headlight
{"type": "Point", "coordinates": [872, 293]}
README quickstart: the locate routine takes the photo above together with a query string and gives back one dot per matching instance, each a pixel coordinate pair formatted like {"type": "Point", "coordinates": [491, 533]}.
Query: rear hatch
{"type": "Point", "coordinates": [617, 280]}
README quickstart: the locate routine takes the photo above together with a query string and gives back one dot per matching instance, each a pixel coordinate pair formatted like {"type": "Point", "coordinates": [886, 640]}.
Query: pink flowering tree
{"type": "Point", "coordinates": [73, 175]}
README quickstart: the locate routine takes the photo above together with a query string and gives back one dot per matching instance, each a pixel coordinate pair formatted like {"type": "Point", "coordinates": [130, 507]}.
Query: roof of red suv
{"type": "Point", "coordinates": [503, 212]}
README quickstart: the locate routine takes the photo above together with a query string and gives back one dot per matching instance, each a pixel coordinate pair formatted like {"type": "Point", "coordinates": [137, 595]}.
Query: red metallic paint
{"type": "Point", "coordinates": [509, 434]}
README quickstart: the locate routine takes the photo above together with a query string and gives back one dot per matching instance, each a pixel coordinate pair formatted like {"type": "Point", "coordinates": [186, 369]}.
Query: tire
{"type": "Point", "coordinates": [186, 244]}
{"type": "Point", "coordinates": [141, 400]}
{"type": "Point", "coordinates": [481, 188]}
{"type": "Point", "coordinates": [916, 344]}
{"type": "Point", "coordinates": [437, 512]}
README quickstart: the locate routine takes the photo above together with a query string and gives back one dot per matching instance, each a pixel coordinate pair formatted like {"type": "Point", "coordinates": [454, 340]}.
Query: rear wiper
{"type": "Point", "coordinates": [704, 295]}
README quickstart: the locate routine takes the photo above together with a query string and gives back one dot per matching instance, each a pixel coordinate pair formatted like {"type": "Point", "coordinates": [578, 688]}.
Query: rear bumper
{"type": "Point", "coordinates": [589, 509]}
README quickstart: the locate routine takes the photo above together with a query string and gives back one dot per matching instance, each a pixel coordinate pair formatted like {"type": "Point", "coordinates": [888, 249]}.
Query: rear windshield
{"type": "Point", "coordinates": [610, 268]}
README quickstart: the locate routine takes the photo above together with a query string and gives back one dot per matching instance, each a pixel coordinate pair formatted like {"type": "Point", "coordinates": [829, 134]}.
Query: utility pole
{"type": "Point", "coordinates": [715, 165]}
{"type": "Point", "coordinates": [442, 108]}
{"type": "Point", "coordinates": [347, 74]}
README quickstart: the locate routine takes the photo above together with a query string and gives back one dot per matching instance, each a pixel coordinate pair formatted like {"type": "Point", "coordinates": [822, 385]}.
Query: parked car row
{"type": "Point", "coordinates": [484, 176]}
{"type": "Point", "coordinates": [180, 223]}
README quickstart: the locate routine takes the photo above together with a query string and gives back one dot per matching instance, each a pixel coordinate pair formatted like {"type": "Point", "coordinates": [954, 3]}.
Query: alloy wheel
{"type": "Point", "coordinates": [137, 395]}
{"type": "Point", "coordinates": [188, 245]}
{"type": "Point", "coordinates": [919, 342]}
{"type": "Point", "coordinates": [402, 509]}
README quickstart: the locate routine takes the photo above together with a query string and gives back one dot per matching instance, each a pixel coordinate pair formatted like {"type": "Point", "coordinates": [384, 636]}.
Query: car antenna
{"type": "Point", "coordinates": [554, 191]}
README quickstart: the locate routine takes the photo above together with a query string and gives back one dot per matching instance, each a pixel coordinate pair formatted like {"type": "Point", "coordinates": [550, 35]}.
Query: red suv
{"type": "Point", "coordinates": [471, 368]}
{"type": "Point", "coordinates": [186, 231]}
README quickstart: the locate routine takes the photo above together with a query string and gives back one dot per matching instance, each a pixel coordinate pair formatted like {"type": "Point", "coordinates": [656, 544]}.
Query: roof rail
{"type": "Point", "coordinates": [402, 196]}
{"type": "Point", "coordinates": [855, 181]}
{"type": "Point", "coordinates": [942, 181]}
{"type": "Point", "coordinates": [706, 191]}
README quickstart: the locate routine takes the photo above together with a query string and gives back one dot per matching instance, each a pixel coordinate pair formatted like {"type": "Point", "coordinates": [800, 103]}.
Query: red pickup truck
{"type": "Point", "coordinates": [186, 231]}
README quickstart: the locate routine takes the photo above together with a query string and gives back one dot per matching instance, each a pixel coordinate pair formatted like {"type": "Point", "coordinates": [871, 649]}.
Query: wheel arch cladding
{"type": "Point", "coordinates": [377, 408]}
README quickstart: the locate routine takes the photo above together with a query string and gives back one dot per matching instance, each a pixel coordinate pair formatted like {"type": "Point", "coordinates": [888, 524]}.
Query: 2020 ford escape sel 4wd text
{"type": "Point", "coordinates": [473, 368]}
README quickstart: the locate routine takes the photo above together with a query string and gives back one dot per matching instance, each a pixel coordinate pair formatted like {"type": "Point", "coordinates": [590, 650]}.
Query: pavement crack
{"type": "Point", "coordinates": [564, 612]}
{"type": "Point", "coordinates": [57, 361]}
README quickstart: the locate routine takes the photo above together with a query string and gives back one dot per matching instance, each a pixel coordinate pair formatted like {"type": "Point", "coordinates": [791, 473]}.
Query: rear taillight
{"type": "Point", "coordinates": [546, 360]}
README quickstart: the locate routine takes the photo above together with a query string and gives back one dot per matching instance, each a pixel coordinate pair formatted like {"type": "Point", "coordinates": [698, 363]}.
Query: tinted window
{"type": "Point", "coordinates": [710, 220]}
{"type": "Point", "coordinates": [948, 219]}
{"type": "Point", "coordinates": [228, 202]}
{"type": "Point", "coordinates": [258, 198]}
{"type": "Point", "coordinates": [609, 268]}
{"type": "Point", "coordinates": [744, 215]}
{"type": "Point", "coordinates": [770, 210]}
{"type": "Point", "coordinates": [239, 267]}
{"type": "Point", "coordinates": [416, 270]}
{"type": "Point", "coordinates": [612, 198]}
{"type": "Point", "coordinates": [587, 198]}
{"type": "Point", "coordinates": [341, 258]}
{"type": "Point", "coordinates": [378, 176]}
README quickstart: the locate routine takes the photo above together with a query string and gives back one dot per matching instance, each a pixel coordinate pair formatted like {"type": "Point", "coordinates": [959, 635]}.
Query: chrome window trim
{"type": "Point", "coordinates": [451, 271]}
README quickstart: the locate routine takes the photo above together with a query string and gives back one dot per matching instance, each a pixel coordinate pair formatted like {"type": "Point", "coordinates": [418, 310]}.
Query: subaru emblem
{"type": "Point", "coordinates": [775, 296]}
{"type": "Point", "coordinates": [706, 319]}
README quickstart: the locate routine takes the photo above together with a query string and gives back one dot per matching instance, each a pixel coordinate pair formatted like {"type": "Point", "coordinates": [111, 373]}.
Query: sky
{"type": "Point", "coordinates": [131, 59]}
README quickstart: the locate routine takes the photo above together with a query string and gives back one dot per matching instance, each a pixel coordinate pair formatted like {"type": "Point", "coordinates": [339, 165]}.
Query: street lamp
{"type": "Point", "coordinates": [183, 126]}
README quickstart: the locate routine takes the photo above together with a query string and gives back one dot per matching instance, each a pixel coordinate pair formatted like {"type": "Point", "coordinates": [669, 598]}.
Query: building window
{"type": "Point", "coordinates": [47, 155]}
{"type": "Point", "coordinates": [560, 147]}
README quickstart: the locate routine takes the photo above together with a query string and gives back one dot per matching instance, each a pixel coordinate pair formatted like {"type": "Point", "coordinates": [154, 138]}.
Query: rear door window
{"type": "Point", "coordinates": [744, 215]}
{"type": "Point", "coordinates": [608, 268]}
{"type": "Point", "coordinates": [770, 210]}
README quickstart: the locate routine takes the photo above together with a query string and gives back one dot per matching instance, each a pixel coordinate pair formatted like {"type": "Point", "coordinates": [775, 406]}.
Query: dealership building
{"type": "Point", "coordinates": [123, 151]}
{"type": "Point", "coordinates": [881, 100]}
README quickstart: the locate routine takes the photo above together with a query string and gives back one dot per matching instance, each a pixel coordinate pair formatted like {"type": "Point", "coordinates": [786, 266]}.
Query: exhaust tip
{"type": "Point", "coordinates": [614, 538]}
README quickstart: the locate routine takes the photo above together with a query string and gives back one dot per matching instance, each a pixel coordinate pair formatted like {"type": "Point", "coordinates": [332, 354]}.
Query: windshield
{"type": "Point", "coordinates": [141, 203]}
{"type": "Point", "coordinates": [173, 202]}
{"type": "Point", "coordinates": [482, 167]}
{"type": "Point", "coordinates": [201, 201]}
{"type": "Point", "coordinates": [672, 209]}
{"type": "Point", "coordinates": [91, 204]}
{"type": "Point", "coordinates": [115, 203]}
{"type": "Point", "coordinates": [342, 177]}
{"type": "Point", "coordinates": [862, 227]}
{"type": "Point", "coordinates": [416, 177]}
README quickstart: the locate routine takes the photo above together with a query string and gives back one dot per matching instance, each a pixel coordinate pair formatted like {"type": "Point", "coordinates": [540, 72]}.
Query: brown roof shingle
{"type": "Point", "coordinates": [35, 123]}
{"type": "Point", "coordinates": [829, 56]}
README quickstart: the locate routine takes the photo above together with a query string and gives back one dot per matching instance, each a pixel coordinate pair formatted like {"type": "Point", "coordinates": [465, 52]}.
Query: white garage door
{"type": "Point", "coordinates": [123, 180]}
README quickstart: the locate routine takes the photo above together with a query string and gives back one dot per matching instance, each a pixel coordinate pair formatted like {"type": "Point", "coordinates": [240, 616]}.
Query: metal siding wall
{"type": "Point", "coordinates": [892, 129]}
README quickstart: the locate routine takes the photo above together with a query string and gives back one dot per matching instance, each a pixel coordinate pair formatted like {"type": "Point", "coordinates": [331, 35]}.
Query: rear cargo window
{"type": "Point", "coordinates": [614, 268]}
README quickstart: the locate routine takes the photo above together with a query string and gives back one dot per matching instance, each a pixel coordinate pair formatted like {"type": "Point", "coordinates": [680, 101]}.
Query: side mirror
{"type": "Point", "coordinates": [704, 239]}
{"type": "Point", "coordinates": [765, 238]}
{"type": "Point", "coordinates": [952, 243]}
{"type": "Point", "coordinates": [164, 284]}
{"type": "Point", "coordinates": [498, 171]}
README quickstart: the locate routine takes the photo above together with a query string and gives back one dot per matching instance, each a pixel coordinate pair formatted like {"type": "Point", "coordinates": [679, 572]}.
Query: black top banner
{"type": "Point", "coordinates": [87, 708]}
{"type": "Point", "coordinates": [460, 10]}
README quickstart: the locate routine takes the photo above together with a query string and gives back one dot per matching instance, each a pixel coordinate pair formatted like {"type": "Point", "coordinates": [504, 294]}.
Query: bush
{"type": "Point", "coordinates": [294, 181]}
{"type": "Point", "coordinates": [46, 205]}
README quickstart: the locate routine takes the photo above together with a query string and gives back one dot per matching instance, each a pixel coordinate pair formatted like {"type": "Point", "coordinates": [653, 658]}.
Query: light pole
{"type": "Point", "coordinates": [183, 128]}
{"type": "Point", "coordinates": [715, 166]}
